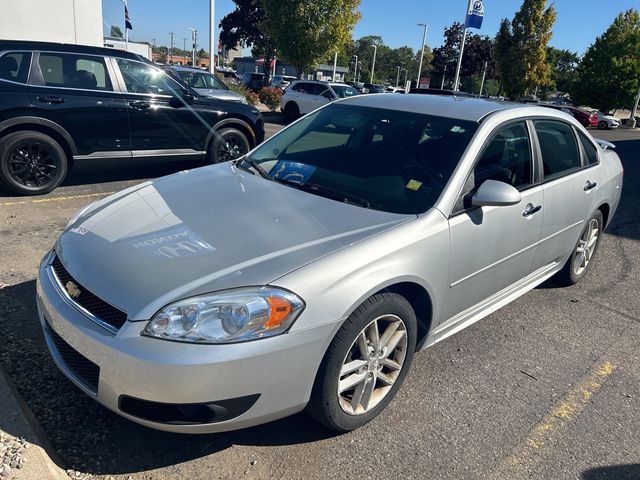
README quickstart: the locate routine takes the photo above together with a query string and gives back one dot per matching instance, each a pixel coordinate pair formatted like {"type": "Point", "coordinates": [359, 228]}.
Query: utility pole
{"type": "Point", "coordinates": [335, 64]}
{"type": "Point", "coordinates": [212, 36]}
{"type": "Point", "coordinates": [373, 65]}
{"type": "Point", "coordinates": [184, 50]}
{"type": "Point", "coordinates": [398, 76]}
{"type": "Point", "coordinates": [355, 71]}
{"type": "Point", "coordinates": [194, 40]}
{"type": "Point", "coordinates": [171, 49]}
{"type": "Point", "coordinates": [424, 40]}
{"type": "Point", "coordinates": [484, 73]}
{"type": "Point", "coordinates": [444, 74]}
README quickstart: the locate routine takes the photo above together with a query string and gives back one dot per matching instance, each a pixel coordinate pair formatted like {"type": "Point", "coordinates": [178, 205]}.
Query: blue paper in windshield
{"type": "Point", "coordinates": [293, 171]}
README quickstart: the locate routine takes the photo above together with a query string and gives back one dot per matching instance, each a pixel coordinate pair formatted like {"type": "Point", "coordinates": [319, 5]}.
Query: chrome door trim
{"type": "Point", "coordinates": [104, 154]}
{"type": "Point", "coordinates": [172, 152]}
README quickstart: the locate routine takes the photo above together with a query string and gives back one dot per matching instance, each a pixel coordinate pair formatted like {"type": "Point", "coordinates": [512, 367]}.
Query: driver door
{"type": "Point", "coordinates": [161, 122]}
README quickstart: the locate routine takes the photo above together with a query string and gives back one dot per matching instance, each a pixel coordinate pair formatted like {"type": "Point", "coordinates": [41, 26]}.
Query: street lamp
{"type": "Point", "coordinates": [424, 39]}
{"type": "Point", "coordinates": [355, 71]}
{"type": "Point", "coordinates": [405, 75]}
{"type": "Point", "coordinates": [398, 76]}
{"type": "Point", "coordinates": [373, 65]}
{"type": "Point", "coordinates": [194, 40]}
{"type": "Point", "coordinates": [212, 36]}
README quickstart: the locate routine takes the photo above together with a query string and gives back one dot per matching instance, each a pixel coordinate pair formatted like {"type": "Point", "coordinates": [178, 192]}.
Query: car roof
{"type": "Point", "coordinates": [461, 108]}
{"type": "Point", "coordinates": [67, 47]}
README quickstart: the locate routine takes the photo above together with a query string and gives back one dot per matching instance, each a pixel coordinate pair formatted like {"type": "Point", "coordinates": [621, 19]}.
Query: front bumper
{"type": "Point", "coordinates": [272, 376]}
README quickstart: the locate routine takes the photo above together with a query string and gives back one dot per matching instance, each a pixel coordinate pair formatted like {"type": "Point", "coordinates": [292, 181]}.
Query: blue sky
{"type": "Point", "coordinates": [577, 25]}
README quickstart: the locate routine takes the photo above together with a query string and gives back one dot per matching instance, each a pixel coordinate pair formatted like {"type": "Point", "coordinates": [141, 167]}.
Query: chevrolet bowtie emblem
{"type": "Point", "coordinates": [72, 289]}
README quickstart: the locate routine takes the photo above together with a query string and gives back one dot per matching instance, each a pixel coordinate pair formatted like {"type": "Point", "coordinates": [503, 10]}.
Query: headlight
{"type": "Point", "coordinates": [227, 317]}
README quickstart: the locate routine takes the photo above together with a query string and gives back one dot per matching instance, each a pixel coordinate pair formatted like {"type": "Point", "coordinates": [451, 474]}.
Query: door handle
{"type": "Point", "coordinates": [589, 185]}
{"type": "Point", "coordinates": [51, 100]}
{"type": "Point", "coordinates": [139, 105]}
{"type": "Point", "coordinates": [530, 210]}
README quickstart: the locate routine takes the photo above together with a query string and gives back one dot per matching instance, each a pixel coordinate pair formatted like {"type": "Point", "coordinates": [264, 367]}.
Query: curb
{"type": "Point", "coordinates": [21, 432]}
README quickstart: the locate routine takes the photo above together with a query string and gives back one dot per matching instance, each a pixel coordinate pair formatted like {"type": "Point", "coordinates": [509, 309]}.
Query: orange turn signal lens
{"type": "Point", "coordinates": [279, 311]}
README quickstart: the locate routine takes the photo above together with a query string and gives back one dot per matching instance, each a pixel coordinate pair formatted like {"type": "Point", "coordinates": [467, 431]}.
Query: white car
{"type": "Point", "coordinates": [304, 96]}
{"type": "Point", "coordinates": [606, 122]}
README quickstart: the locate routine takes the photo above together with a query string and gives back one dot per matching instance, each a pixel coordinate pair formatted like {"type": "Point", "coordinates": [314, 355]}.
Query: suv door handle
{"type": "Point", "coordinates": [51, 100]}
{"type": "Point", "coordinates": [530, 210]}
{"type": "Point", "coordinates": [589, 185]}
{"type": "Point", "coordinates": [139, 104]}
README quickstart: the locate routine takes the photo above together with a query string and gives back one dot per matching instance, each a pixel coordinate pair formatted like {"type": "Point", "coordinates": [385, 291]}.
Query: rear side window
{"type": "Point", "coordinates": [560, 155]}
{"type": "Point", "coordinates": [590, 151]}
{"type": "Point", "coordinates": [74, 71]}
{"type": "Point", "coordinates": [14, 66]}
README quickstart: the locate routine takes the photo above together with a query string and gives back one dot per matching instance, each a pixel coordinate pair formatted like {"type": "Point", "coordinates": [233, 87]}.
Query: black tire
{"type": "Point", "coordinates": [603, 125]}
{"type": "Point", "coordinates": [31, 163]}
{"type": "Point", "coordinates": [291, 111]}
{"type": "Point", "coordinates": [570, 273]}
{"type": "Point", "coordinates": [228, 144]}
{"type": "Point", "coordinates": [324, 404]}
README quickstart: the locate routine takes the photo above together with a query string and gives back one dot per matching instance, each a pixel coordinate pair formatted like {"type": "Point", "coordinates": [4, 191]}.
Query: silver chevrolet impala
{"type": "Point", "coordinates": [307, 273]}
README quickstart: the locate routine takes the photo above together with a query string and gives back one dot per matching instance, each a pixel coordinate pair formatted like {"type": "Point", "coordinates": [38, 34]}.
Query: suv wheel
{"type": "Point", "coordinates": [31, 163]}
{"type": "Point", "coordinates": [291, 111]}
{"type": "Point", "coordinates": [228, 144]}
{"type": "Point", "coordinates": [603, 125]}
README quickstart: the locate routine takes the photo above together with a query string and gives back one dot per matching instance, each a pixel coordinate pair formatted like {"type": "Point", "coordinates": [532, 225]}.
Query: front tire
{"type": "Point", "coordinates": [228, 144]}
{"type": "Point", "coordinates": [31, 163]}
{"type": "Point", "coordinates": [603, 125]}
{"type": "Point", "coordinates": [291, 111]}
{"type": "Point", "coordinates": [365, 364]}
{"type": "Point", "coordinates": [581, 258]}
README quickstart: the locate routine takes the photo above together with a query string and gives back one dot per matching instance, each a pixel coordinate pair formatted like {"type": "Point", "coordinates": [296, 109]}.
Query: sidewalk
{"type": "Point", "coordinates": [22, 442]}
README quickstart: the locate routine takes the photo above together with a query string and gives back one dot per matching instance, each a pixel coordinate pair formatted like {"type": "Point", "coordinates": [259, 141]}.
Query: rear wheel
{"type": "Point", "coordinates": [365, 364]}
{"type": "Point", "coordinates": [291, 111]}
{"type": "Point", "coordinates": [581, 258]}
{"type": "Point", "coordinates": [228, 144]}
{"type": "Point", "coordinates": [31, 163]}
{"type": "Point", "coordinates": [602, 125]}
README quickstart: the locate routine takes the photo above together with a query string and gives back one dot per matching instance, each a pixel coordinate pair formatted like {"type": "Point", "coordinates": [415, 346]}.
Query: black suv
{"type": "Point", "coordinates": [64, 103]}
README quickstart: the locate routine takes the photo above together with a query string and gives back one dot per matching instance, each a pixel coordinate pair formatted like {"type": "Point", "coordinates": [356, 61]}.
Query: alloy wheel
{"type": "Point", "coordinates": [372, 364]}
{"type": "Point", "coordinates": [230, 148]}
{"type": "Point", "coordinates": [586, 246]}
{"type": "Point", "coordinates": [32, 164]}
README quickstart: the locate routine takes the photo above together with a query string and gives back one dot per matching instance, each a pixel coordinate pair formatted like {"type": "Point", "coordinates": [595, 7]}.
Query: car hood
{"type": "Point", "coordinates": [204, 230]}
{"type": "Point", "coordinates": [220, 94]}
{"type": "Point", "coordinates": [609, 117]}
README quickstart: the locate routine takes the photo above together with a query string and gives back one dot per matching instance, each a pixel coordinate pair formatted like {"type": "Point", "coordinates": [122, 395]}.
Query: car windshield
{"type": "Point", "coordinates": [201, 80]}
{"type": "Point", "coordinates": [387, 160]}
{"type": "Point", "coordinates": [344, 91]}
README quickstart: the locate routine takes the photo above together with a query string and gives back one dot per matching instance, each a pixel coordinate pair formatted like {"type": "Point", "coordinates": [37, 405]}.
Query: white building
{"type": "Point", "coordinates": [66, 21]}
{"type": "Point", "coordinates": [135, 47]}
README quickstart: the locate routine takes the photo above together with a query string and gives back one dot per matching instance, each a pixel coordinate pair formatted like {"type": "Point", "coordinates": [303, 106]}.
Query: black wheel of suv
{"type": "Point", "coordinates": [31, 163]}
{"type": "Point", "coordinates": [228, 144]}
{"type": "Point", "coordinates": [365, 363]}
{"type": "Point", "coordinates": [291, 111]}
{"type": "Point", "coordinates": [581, 258]}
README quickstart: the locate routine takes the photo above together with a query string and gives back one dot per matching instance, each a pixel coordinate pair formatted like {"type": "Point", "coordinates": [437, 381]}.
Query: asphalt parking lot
{"type": "Point", "coordinates": [546, 388]}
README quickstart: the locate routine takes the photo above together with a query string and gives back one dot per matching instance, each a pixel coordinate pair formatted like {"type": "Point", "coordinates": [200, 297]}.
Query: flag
{"type": "Point", "coordinates": [127, 20]}
{"type": "Point", "coordinates": [475, 14]}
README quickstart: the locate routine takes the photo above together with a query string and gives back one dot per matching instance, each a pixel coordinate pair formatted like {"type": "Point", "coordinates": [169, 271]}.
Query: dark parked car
{"type": "Point", "coordinates": [204, 83]}
{"type": "Point", "coordinates": [372, 88]}
{"type": "Point", "coordinates": [587, 119]}
{"type": "Point", "coordinates": [253, 81]}
{"type": "Point", "coordinates": [65, 103]}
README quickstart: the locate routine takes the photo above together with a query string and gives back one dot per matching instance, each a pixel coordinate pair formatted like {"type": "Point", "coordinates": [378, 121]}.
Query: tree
{"type": "Point", "coordinates": [116, 32]}
{"type": "Point", "coordinates": [202, 53]}
{"type": "Point", "coordinates": [564, 68]}
{"type": "Point", "coordinates": [609, 74]}
{"type": "Point", "coordinates": [306, 32]}
{"type": "Point", "coordinates": [245, 26]}
{"type": "Point", "coordinates": [521, 48]}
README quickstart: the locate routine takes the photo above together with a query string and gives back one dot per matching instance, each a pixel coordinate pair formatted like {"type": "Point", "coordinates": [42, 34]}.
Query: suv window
{"type": "Point", "coordinates": [73, 71]}
{"type": "Point", "coordinates": [142, 78]}
{"type": "Point", "coordinates": [590, 151]}
{"type": "Point", "coordinates": [303, 87]}
{"type": "Point", "coordinates": [15, 66]}
{"type": "Point", "coordinates": [559, 149]}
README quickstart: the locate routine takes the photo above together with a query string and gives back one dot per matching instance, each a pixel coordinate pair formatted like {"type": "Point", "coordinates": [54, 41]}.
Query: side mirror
{"type": "Point", "coordinates": [494, 193]}
{"type": "Point", "coordinates": [189, 97]}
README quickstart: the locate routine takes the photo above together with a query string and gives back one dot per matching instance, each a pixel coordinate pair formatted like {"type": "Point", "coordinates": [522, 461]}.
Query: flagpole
{"type": "Point", "coordinates": [126, 30]}
{"type": "Point", "coordinates": [456, 82]}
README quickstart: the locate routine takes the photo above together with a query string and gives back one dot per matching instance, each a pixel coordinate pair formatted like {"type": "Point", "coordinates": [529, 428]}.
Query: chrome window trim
{"type": "Point", "coordinates": [124, 154]}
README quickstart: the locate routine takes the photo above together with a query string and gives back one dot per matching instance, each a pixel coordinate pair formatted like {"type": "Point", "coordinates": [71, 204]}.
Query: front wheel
{"type": "Point", "coordinates": [603, 125]}
{"type": "Point", "coordinates": [228, 144]}
{"type": "Point", "coordinates": [582, 256]}
{"type": "Point", "coordinates": [291, 111]}
{"type": "Point", "coordinates": [365, 364]}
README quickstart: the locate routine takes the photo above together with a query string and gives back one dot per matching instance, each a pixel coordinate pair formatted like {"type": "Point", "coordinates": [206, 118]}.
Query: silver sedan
{"type": "Point", "coordinates": [308, 273]}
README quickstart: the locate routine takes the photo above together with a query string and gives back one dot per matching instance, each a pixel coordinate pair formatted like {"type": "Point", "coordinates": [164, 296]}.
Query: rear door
{"type": "Point", "coordinates": [77, 92]}
{"type": "Point", "coordinates": [304, 96]}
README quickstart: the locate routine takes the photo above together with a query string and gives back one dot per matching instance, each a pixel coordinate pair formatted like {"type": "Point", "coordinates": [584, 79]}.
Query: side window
{"type": "Point", "coordinates": [507, 158]}
{"type": "Point", "coordinates": [142, 78]}
{"type": "Point", "coordinates": [590, 151]}
{"type": "Point", "coordinates": [327, 94]}
{"type": "Point", "coordinates": [74, 71]}
{"type": "Point", "coordinates": [302, 88]}
{"type": "Point", "coordinates": [15, 66]}
{"type": "Point", "coordinates": [560, 154]}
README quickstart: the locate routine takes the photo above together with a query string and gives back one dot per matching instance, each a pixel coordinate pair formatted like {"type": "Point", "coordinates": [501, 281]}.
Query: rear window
{"type": "Point", "coordinates": [73, 71]}
{"type": "Point", "coordinates": [590, 151]}
{"type": "Point", "coordinates": [560, 155]}
{"type": "Point", "coordinates": [14, 66]}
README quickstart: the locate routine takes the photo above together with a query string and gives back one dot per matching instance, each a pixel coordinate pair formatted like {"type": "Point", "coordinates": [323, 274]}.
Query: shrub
{"type": "Point", "coordinates": [251, 97]}
{"type": "Point", "coordinates": [270, 96]}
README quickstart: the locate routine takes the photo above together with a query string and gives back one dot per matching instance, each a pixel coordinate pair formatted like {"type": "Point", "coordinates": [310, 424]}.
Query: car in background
{"type": "Point", "coordinates": [61, 104]}
{"type": "Point", "coordinates": [587, 119]}
{"type": "Point", "coordinates": [282, 81]}
{"type": "Point", "coordinates": [304, 96]}
{"type": "Point", "coordinates": [372, 88]}
{"type": "Point", "coordinates": [439, 91]}
{"type": "Point", "coordinates": [607, 122]}
{"type": "Point", "coordinates": [253, 81]}
{"type": "Point", "coordinates": [357, 85]}
{"type": "Point", "coordinates": [205, 83]}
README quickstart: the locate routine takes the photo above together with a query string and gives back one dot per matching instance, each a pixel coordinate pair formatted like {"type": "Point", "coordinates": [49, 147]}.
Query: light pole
{"type": "Point", "coordinates": [373, 64]}
{"type": "Point", "coordinates": [398, 76]}
{"type": "Point", "coordinates": [424, 40]}
{"type": "Point", "coordinates": [212, 36]}
{"type": "Point", "coordinates": [405, 76]}
{"type": "Point", "coordinates": [171, 50]}
{"type": "Point", "coordinates": [184, 50]}
{"type": "Point", "coordinates": [444, 74]}
{"type": "Point", "coordinates": [355, 71]}
{"type": "Point", "coordinates": [194, 39]}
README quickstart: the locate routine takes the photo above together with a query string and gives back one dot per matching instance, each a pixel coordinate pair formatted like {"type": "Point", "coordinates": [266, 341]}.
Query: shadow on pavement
{"type": "Point", "coordinates": [614, 472]}
{"type": "Point", "coordinates": [92, 439]}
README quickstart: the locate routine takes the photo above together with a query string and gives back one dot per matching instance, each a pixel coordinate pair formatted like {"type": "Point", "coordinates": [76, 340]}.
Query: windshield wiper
{"type": "Point", "coordinates": [328, 192]}
{"type": "Point", "coordinates": [255, 165]}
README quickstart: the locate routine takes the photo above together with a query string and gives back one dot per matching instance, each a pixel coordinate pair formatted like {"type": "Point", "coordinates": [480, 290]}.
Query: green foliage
{"type": "Point", "coordinates": [115, 32]}
{"type": "Point", "coordinates": [609, 74]}
{"type": "Point", "coordinates": [521, 48]}
{"type": "Point", "coordinates": [270, 96]}
{"type": "Point", "coordinates": [251, 97]}
{"type": "Point", "coordinates": [307, 32]}
{"type": "Point", "coordinates": [564, 69]}
{"type": "Point", "coordinates": [245, 26]}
